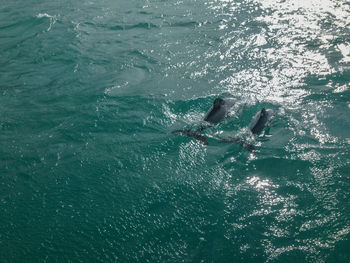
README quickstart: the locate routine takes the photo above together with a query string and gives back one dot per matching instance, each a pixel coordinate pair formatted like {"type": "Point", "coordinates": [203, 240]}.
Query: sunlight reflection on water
{"type": "Point", "coordinates": [289, 47]}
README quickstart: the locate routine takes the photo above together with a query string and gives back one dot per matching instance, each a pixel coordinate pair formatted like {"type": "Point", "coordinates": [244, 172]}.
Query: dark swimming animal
{"type": "Point", "coordinates": [219, 110]}
{"type": "Point", "coordinates": [216, 113]}
{"type": "Point", "coordinates": [261, 120]}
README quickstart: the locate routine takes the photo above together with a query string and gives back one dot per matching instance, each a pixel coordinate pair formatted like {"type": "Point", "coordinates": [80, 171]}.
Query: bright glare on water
{"type": "Point", "coordinates": [91, 91]}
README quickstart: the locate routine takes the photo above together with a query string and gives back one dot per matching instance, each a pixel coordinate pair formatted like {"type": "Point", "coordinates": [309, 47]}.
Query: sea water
{"type": "Point", "coordinates": [91, 90]}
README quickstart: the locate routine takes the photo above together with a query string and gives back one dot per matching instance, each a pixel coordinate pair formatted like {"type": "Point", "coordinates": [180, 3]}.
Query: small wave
{"type": "Point", "coordinates": [184, 24]}
{"type": "Point", "coordinates": [142, 55]}
{"type": "Point", "coordinates": [53, 19]}
{"type": "Point", "coordinates": [117, 27]}
{"type": "Point", "coordinates": [134, 26]}
{"type": "Point", "coordinates": [146, 25]}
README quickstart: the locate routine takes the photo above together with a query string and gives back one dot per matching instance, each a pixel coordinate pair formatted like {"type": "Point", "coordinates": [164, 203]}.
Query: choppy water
{"type": "Point", "coordinates": [90, 91]}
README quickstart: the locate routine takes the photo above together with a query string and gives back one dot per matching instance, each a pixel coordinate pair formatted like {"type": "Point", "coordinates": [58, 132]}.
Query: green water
{"type": "Point", "coordinates": [91, 90]}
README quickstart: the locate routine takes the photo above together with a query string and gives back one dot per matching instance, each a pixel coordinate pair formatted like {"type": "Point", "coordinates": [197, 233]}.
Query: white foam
{"type": "Point", "coordinates": [43, 15]}
{"type": "Point", "coordinates": [345, 51]}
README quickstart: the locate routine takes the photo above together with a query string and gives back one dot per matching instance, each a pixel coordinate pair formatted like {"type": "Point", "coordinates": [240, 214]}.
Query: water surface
{"type": "Point", "coordinates": [91, 90]}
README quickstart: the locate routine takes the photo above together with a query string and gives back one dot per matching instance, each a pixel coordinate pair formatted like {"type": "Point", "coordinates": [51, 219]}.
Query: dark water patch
{"type": "Point", "coordinates": [340, 252]}
{"type": "Point", "coordinates": [145, 13]}
{"type": "Point", "coordinates": [134, 26]}
{"type": "Point", "coordinates": [183, 24]}
{"type": "Point", "coordinates": [117, 27]}
{"type": "Point", "coordinates": [140, 26]}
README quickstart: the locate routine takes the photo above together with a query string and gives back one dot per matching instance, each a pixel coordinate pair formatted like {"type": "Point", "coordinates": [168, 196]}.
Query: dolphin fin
{"type": "Point", "coordinates": [193, 134]}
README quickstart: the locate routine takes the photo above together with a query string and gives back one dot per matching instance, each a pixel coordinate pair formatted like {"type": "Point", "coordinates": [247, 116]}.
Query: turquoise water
{"type": "Point", "coordinates": [91, 90]}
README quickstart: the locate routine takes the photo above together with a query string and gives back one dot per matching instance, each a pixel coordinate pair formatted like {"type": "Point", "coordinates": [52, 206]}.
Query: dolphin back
{"type": "Point", "coordinates": [261, 120]}
{"type": "Point", "coordinates": [217, 114]}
